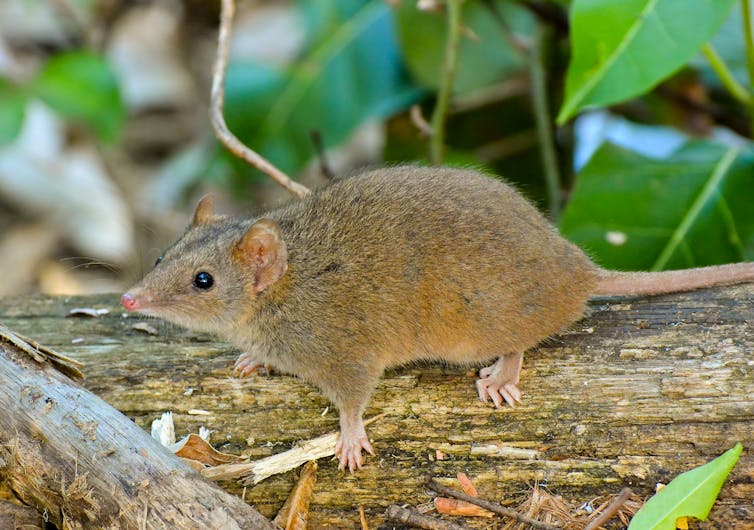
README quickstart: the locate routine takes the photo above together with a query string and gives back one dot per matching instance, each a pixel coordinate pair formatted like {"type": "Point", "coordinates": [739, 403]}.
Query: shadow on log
{"type": "Point", "coordinates": [634, 394]}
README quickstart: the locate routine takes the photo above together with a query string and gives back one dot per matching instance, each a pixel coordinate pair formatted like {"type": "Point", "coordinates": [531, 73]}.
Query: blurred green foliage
{"type": "Point", "coordinates": [622, 49]}
{"type": "Point", "coordinates": [691, 209]}
{"type": "Point", "coordinates": [81, 86]}
{"type": "Point", "coordinates": [484, 59]}
{"type": "Point", "coordinates": [351, 71]}
{"type": "Point", "coordinates": [12, 105]}
{"type": "Point", "coordinates": [365, 60]}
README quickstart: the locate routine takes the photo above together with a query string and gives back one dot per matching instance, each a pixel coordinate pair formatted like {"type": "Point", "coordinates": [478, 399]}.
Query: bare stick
{"type": "Point", "coordinates": [542, 115]}
{"type": "Point", "coordinates": [222, 132]}
{"type": "Point", "coordinates": [258, 470]}
{"type": "Point", "coordinates": [437, 140]}
{"type": "Point", "coordinates": [363, 519]}
{"type": "Point", "coordinates": [491, 506]}
{"type": "Point", "coordinates": [319, 148]}
{"type": "Point", "coordinates": [418, 120]}
{"type": "Point", "coordinates": [412, 517]}
{"type": "Point", "coordinates": [611, 510]}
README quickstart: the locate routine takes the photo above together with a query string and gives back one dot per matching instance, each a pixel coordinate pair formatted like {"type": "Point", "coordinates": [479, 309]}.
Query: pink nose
{"type": "Point", "coordinates": [129, 302]}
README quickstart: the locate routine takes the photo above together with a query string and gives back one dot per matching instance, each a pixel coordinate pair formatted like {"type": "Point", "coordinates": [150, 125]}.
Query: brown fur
{"type": "Point", "coordinates": [392, 266]}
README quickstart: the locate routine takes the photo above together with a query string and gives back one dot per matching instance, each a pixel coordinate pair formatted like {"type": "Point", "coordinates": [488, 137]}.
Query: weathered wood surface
{"type": "Point", "coordinates": [636, 393]}
{"type": "Point", "coordinates": [81, 462]}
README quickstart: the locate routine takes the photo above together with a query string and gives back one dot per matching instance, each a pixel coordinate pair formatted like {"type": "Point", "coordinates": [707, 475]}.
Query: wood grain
{"type": "Point", "coordinates": [634, 394]}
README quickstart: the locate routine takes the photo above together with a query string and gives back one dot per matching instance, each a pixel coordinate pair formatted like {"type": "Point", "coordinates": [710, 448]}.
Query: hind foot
{"type": "Point", "coordinates": [351, 441]}
{"type": "Point", "coordinates": [498, 382]}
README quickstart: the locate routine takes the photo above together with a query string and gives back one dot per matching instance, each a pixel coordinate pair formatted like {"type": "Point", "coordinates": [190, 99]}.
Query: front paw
{"type": "Point", "coordinates": [247, 365]}
{"type": "Point", "coordinates": [348, 449]}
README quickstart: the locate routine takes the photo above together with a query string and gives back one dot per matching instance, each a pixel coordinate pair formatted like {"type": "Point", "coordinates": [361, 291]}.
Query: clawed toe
{"type": "Point", "coordinates": [490, 389]}
{"type": "Point", "coordinates": [246, 366]}
{"type": "Point", "coordinates": [349, 453]}
{"type": "Point", "coordinates": [498, 382]}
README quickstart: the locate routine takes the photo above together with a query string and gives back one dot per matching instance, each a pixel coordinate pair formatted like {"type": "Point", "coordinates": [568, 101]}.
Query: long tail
{"type": "Point", "coordinates": [614, 283]}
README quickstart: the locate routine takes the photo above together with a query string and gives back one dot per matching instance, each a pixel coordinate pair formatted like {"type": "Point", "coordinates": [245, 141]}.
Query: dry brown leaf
{"type": "Point", "coordinates": [448, 506]}
{"type": "Point", "coordinates": [192, 447]}
{"type": "Point", "coordinates": [295, 512]}
{"type": "Point", "coordinates": [466, 485]}
{"type": "Point", "coordinates": [194, 464]}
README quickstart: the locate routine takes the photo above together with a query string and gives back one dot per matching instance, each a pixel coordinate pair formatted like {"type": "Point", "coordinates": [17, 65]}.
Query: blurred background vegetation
{"type": "Point", "coordinates": [105, 142]}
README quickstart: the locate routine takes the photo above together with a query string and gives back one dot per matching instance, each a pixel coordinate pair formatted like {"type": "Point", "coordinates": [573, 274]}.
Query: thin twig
{"type": "Point", "coordinates": [412, 517]}
{"type": "Point", "coordinates": [544, 124]}
{"type": "Point", "coordinates": [726, 76]}
{"type": "Point", "coordinates": [512, 87]}
{"type": "Point", "coordinates": [749, 40]}
{"type": "Point", "coordinates": [437, 140]}
{"type": "Point", "coordinates": [517, 44]}
{"type": "Point", "coordinates": [611, 510]}
{"type": "Point", "coordinates": [488, 505]}
{"type": "Point", "coordinates": [319, 148]}
{"type": "Point", "coordinates": [417, 118]}
{"type": "Point", "coordinates": [222, 132]}
{"type": "Point", "coordinates": [363, 519]}
{"type": "Point", "coordinates": [550, 13]}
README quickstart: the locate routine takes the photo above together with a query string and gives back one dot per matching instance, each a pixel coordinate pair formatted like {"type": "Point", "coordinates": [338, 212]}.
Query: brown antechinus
{"type": "Point", "coordinates": [385, 268]}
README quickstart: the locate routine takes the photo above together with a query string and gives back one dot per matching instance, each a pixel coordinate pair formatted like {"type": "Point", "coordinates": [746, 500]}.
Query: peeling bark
{"type": "Point", "coordinates": [70, 455]}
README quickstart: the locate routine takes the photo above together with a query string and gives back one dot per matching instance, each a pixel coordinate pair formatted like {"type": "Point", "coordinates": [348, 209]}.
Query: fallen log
{"type": "Point", "coordinates": [70, 455]}
{"type": "Point", "coordinates": [634, 394]}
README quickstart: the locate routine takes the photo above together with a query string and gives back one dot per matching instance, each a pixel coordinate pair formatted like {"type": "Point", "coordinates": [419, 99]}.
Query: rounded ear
{"type": "Point", "coordinates": [262, 247]}
{"type": "Point", "coordinates": [203, 211]}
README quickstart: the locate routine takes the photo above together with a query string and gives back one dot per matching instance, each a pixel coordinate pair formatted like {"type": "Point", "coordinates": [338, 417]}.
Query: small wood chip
{"type": "Point", "coordinates": [144, 327]}
{"type": "Point", "coordinates": [466, 485]}
{"type": "Point", "coordinates": [87, 312]}
{"type": "Point", "coordinates": [448, 506]}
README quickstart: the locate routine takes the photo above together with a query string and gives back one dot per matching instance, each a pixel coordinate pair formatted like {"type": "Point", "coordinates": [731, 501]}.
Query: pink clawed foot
{"type": "Point", "coordinates": [352, 439]}
{"type": "Point", "coordinates": [246, 365]}
{"type": "Point", "coordinates": [498, 382]}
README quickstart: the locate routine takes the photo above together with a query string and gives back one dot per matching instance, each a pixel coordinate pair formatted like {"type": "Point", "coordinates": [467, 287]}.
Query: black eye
{"type": "Point", "coordinates": [158, 261]}
{"type": "Point", "coordinates": [203, 280]}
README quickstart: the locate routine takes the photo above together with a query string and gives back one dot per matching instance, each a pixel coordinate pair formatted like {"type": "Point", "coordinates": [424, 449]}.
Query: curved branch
{"type": "Point", "coordinates": [222, 132]}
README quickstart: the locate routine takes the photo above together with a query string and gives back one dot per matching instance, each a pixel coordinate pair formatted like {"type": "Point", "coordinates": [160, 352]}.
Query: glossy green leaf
{"type": "Point", "coordinates": [690, 494]}
{"type": "Point", "coordinates": [484, 55]}
{"type": "Point", "coordinates": [622, 48]}
{"type": "Point", "coordinates": [12, 106]}
{"type": "Point", "coordinates": [690, 209]}
{"type": "Point", "coordinates": [354, 72]}
{"type": "Point", "coordinates": [730, 44]}
{"type": "Point", "coordinates": [81, 86]}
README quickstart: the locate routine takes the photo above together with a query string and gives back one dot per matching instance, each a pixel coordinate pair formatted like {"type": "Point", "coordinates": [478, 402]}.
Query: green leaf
{"type": "Point", "coordinates": [621, 49]}
{"type": "Point", "coordinates": [690, 494]}
{"type": "Point", "coordinates": [81, 86]}
{"type": "Point", "coordinates": [730, 44]}
{"type": "Point", "coordinates": [12, 110]}
{"type": "Point", "coordinates": [690, 209]}
{"type": "Point", "coordinates": [354, 72]}
{"type": "Point", "coordinates": [484, 55]}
